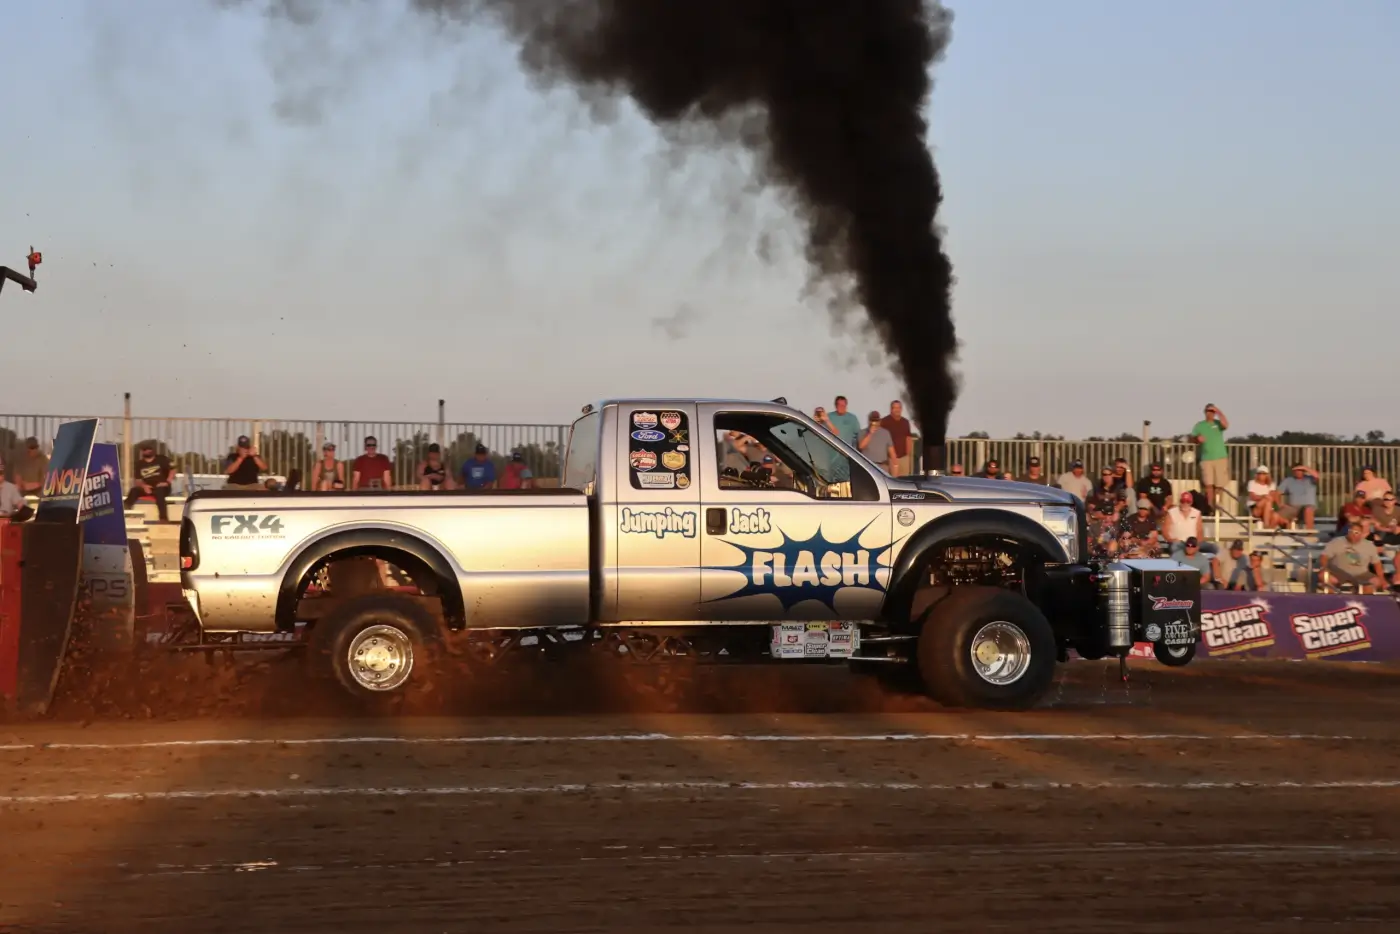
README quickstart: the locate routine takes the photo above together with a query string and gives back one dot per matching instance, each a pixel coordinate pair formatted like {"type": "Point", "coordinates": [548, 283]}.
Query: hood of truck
{"type": "Point", "coordinates": [981, 490]}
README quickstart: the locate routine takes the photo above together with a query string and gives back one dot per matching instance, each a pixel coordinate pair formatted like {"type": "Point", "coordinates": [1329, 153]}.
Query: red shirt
{"type": "Point", "coordinates": [900, 431]}
{"type": "Point", "coordinates": [371, 468]}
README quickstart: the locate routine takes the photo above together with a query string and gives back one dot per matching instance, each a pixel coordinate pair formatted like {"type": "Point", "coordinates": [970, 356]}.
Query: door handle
{"type": "Point", "coordinates": [714, 520]}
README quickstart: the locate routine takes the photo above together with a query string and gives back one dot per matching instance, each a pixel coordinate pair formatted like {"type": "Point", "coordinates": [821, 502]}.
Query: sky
{"type": "Point", "coordinates": [1148, 207]}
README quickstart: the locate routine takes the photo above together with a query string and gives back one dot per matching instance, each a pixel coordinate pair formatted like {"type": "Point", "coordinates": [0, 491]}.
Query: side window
{"type": "Point", "coordinates": [761, 451]}
{"type": "Point", "coordinates": [581, 461]}
{"type": "Point", "coordinates": [658, 451]}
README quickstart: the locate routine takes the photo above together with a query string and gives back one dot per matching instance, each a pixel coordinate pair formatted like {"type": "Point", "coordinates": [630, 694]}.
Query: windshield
{"type": "Point", "coordinates": [581, 459]}
{"type": "Point", "coordinates": [764, 450]}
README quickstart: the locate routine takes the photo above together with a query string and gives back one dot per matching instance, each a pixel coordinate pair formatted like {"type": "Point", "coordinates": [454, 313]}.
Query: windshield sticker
{"type": "Point", "coordinates": [664, 446]}
{"type": "Point", "coordinates": [643, 419]}
{"type": "Point", "coordinates": [643, 460]}
{"type": "Point", "coordinates": [672, 460]}
{"type": "Point", "coordinates": [660, 480]}
{"type": "Point", "coordinates": [648, 434]}
{"type": "Point", "coordinates": [659, 523]}
{"type": "Point", "coordinates": [672, 420]}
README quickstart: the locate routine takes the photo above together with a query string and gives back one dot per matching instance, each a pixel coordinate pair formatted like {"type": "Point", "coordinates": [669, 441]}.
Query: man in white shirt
{"type": "Point", "coordinates": [1183, 521]}
{"type": "Point", "coordinates": [1075, 482]}
{"type": "Point", "coordinates": [12, 504]}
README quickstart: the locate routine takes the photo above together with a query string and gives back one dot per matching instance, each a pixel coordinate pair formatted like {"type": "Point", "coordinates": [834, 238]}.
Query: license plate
{"type": "Point", "coordinates": [1178, 634]}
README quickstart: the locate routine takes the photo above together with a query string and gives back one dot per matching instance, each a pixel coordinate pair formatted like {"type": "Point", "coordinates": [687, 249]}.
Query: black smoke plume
{"type": "Point", "coordinates": [829, 94]}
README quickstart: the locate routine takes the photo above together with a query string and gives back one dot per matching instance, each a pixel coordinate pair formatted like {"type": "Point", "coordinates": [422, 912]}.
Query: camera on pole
{"type": "Point", "coordinates": [25, 282]}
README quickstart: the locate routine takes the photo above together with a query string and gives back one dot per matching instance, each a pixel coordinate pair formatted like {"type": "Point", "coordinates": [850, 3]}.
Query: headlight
{"type": "Point", "coordinates": [1064, 525]}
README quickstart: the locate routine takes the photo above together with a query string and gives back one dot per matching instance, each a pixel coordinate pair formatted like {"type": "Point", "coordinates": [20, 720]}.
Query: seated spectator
{"type": "Point", "coordinates": [1102, 531]}
{"type": "Point", "coordinates": [479, 472]}
{"type": "Point", "coordinates": [1156, 487]}
{"type": "Point", "coordinates": [244, 466]}
{"type": "Point", "coordinates": [1239, 567]}
{"type": "Point", "coordinates": [372, 470]}
{"type": "Point", "coordinates": [1385, 520]}
{"type": "Point", "coordinates": [153, 473]}
{"type": "Point", "coordinates": [31, 468]}
{"type": "Point", "coordinates": [1352, 560]}
{"type": "Point", "coordinates": [1075, 482]}
{"type": "Point", "coordinates": [1140, 526]}
{"type": "Point", "coordinates": [1263, 496]}
{"type": "Point", "coordinates": [991, 470]}
{"type": "Point", "coordinates": [1183, 521]}
{"type": "Point", "coordinates": [1122, 474]}
{"type": "Point", "coordinates": [517, 475]}
{"type": "Point", "coordinates": [1105, 494]}
{"type": "Point", "coordinates": [1034, 474]}
{"type": "Point", "coordinates": [1208, 565]}
{"type": "Point", "coordinates": [1298, 497]}
{"type": "Point", "coordinates": [12, 504]}
{"type": "Point", "coordinates": [433, 473]}
{"type": "Point", "coordinates": [1354, 512]}
{"type": "Point", "coordinates": [1373, 486]}
{"type": "Point", "coordinates": [330, 472]}
{"type": "Point", "coordinates": [956, 470]}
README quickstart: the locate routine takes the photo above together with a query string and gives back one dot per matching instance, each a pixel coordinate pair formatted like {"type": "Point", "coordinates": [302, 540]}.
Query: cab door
{"type": "Point", "coordinates": [804, 534]}
{"type": "Point", "coordinates": [656, 520]}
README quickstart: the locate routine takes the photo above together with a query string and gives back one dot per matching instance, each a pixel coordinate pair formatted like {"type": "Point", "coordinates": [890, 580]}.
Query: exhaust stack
{"type": "Point", "coordinates": [935, 458]}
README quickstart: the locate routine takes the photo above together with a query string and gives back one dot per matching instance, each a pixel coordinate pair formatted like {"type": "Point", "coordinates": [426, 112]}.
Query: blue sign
{"type": "Point", "coordinates": [103, 517]}
{"type": "Point", "coordinates": [62, 495]}
{"type": "Point", "coordinates": [812, 568]}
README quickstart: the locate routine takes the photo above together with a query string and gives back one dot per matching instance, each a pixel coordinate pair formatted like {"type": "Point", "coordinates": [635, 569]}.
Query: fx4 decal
{"type": "Point", "coordinates": [245, 526]}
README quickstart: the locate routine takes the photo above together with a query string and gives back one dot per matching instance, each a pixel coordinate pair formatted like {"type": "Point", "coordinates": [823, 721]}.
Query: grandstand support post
{"type": "Point", "coordinates": [1146, 446]}
{"type": "Point", "coordinates": [320, 440]}
{"type": "Point", "coordinates": [441, 438]}
{"type": "Point", "coordinates": [256, 436]}
{"type": "Point", "coordinates": [125, 456]}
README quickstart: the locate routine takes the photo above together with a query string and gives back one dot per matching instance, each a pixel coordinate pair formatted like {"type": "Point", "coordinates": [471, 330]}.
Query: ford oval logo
{"type": "Point", "coordinates": [647, 435]}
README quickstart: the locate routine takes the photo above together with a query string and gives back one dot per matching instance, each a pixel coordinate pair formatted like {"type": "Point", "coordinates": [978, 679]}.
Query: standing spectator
{"type": "Point", "coordinates": [1211, 454]}
{"type": "Point", "coordinates": [877, 445]}
{"type": "Point", "coordinates": [31, 469]}
{"type": "Point", "coordinates": [433, 473]}
{"type": "Point", "coordinates": [1208, 565]}
{"type": "Point", "coordinates": [152, 479]}
{"type": "Point", "coordinates": [479, 473]}
{"type": "Point", "coordinates": [1352, 559]}
{"type": "Point", "coordinates": [841, 423]}
{"type": "Point", "coordinates": [902, 433]}
{"type": "Point", "coordinates": [1183, 521]}
{"type": "Point", "coordinates": [1263, 497]}
{"type": "Point", "coordinates": [372, 470]}
{"type": "Point", "coordinates": [330, 472]}
{"type": "Point", "coordinates": [1385, 517]}
{"type": "Point", "coordinates": [243, 467]}
{"type": "Point", "coordinates": [1155, 487]}
{"type": "Point", "coordinates": [517, 475]}
{"type": "Point", "coordinates": [1075, 482]}
{"type": "Point", "coordinates": [1373, 486]}
{"type": "Point", "coordinates": [1298, 497]}
{"type": "Point", "coordinates": [12, 504]}
{"type": "Point", "coordinates": [1034, 474]}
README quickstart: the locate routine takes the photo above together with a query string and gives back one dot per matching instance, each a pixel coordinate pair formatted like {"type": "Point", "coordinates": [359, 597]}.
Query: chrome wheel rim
{"type": "Point", "coordinates": [1001, 653]}
{"type": "Point", "coordinates": [380, 658]}
{"type": "Point", "coordinates": [1177, 651]}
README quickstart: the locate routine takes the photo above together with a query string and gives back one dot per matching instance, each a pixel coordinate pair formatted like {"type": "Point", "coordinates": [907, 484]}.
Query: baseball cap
{"type": "Point", "coordinates": [1144, 503]}
{"type": "Point", "coordinates": [1261, 469]}
{"type": "Point", "coordinates": [1155, 465]}
{"type": "Point", "coordinates": [874, 415]}
{"type": "Point", "coordinates": [243, 440]}
{"type": "Point", "coordinates": [481, 449]}
{"type": "Point", "coordinates": [371, 440]}
{"type": "Point", "coordinates": [1033, 462]}
{"type": "Point", "coordinates": [516, 455]}
{"type": "Point", "coordinates": [434, 448]}
{"type": "Point", "coordinates": [31, 442]}
{"type": "Point", "coordinates": [1191, 542]}
{"type": "Point", "coordinates": [1074, 464]}
{"type": "Point", "coordinates": [1237, 545]}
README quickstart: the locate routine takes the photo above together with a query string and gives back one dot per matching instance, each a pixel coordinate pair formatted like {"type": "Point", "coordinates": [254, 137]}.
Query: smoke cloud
{"type": "Point", "coordinates": [828, 95]}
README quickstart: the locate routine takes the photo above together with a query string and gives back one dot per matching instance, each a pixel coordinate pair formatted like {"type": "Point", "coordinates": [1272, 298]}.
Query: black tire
{"type": "Point", "coordinates": [408, 634]}
{"type": "Point", "coordinates": [1174, 656]}
{"type": "Point", "coordinates": [946, 650]}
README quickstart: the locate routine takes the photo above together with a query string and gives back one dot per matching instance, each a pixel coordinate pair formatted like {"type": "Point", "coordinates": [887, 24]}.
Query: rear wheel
{"type": "Point", "coordinates": [1174, 656]}
{"type": "Point", "coordinates": [378, 646]}
{"type": "Point", "coordinates": [987, 647]}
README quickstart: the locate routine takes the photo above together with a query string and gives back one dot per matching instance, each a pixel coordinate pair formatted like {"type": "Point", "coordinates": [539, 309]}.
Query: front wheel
{"type": "Point", "coordinates": [987, 647]}
{"type": "Point", "coordinates": [1174, 656]}
{"type": "Point", "coordinates": [377, 646]}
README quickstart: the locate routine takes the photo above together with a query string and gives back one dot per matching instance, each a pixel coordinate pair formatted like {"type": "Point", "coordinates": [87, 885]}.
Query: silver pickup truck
{"type": "Point", "coordinates": [735, 524]}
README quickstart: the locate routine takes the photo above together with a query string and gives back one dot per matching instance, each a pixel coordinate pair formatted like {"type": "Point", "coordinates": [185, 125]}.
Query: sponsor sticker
{"type": "Point", "coordinates": [648, 434]}
{"type": "Point", "coordinates": [1235, 629]}
{"type": "Point", "coordinates": [908, 497]}
{"type": "Point", "coordinates": [683, 447]}
{"type": "Point", "coordinates": [672, 460]}
{"type": "Point", "coordinates": [671, 420]}
{"type": "Point", "coordinates": [682, 481]}
{"type": "Point", "coordinates": [643, 460]}
{"type": "Point", "coordinates": [644, 420]}
{"type": "Point", "coordinates": [905, 516]}
{"type": "Point", "coordinates": [661, 480]}
{"type": "Point", "coordinates": [788, 640]}
{"type": "Point", "coordinates": [1170, 603]}
{"type": "Point", "coordinates": [1335, 633]}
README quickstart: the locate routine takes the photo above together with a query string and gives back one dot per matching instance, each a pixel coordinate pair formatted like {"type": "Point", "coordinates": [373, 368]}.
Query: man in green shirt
{"type": "Point", "coordinates": [1209, 436]}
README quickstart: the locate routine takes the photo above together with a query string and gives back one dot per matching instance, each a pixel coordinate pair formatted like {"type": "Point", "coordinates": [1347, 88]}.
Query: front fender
{"type": "Point", "coordinates": [908, 573]}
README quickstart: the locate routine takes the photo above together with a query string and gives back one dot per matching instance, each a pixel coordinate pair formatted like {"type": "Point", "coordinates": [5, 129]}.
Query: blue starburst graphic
{"type": "Point", "coordinates": [800, 569]}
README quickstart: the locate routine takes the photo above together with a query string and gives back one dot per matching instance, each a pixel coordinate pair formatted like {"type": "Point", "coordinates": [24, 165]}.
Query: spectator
{"type": "Point", "coordinates": [1183, 521]}
{"type": "Point", "coordinates": [243, 467]}
{"type": "Point", "coordinates": [1211, 454]}
{"type": "Point", "coordinates": [1385, 517]}
{"type": "Point", "coordinates": [1103, 538]}
{"type": "Point", "coordinates": [1155, 487]}
{"type": "Point", "coordinates": [330, 472]}
{"type": "Point", "coordinates": [1352, 560]}
{"type": "Point", "coordinates": [433, 473]}
{"type": "Point", "coordinates": [12, 504]}
{"type": "Point", "coordinates": [1354, 512]}
{"type": "Point", "coordinates": [1141, 524]}
{"type": "Point", "coordinates": [1263, 497]}
{"type": "Point", "coordinates": [1373, 486]}
{"type": "Point", "coordinates": [991, 470]}
{"type": "Point", "coordinates": [479, 473]}
{"type": "Point", "coordinates": [517, 475]}
{"type": "Point", "coordinates": [1034, 474]}
{"type": "Point", "coordinates": [1075, 482]}
{"type": "Point", "coordinates": [31, 469]}
{"type": "Point", "coordinates": [1239, 567]}
{"type": "Point", "coordinates": [843, 424]}
{"type": "Point", "coordinates": [1123, 475]}
{"type": "Point", "coordinates": [877, 444]}
{"type": "Point", "coordinates": [1298, 497]}
{"type": "Point", "coordinates": [902, 433]}
{"type": "Point", "coordinates": [956, 470]}
{"type": "Point", "coordinates": [1208, 565]}
{"type": "Point", "coordinates": [372, 470]}
{"type": "Point", "coordinates": [1106, 494]}
{"type": "Point", "coordinates": [153, 474]}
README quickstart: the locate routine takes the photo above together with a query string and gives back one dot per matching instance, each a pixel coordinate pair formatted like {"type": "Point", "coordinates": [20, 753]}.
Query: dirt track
{"type": "Point", "coordinates": [1112, 810]}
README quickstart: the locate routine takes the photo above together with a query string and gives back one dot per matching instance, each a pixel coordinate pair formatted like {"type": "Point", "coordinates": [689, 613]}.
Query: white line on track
{"type": "Point", "coordinates": [694, 738]}
{"type": "Point", "coordinates": [583, 788]}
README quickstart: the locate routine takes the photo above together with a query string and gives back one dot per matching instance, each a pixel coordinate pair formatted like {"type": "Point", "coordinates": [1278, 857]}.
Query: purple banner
{"type": "Point", "coordinates": [1262, 624]}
